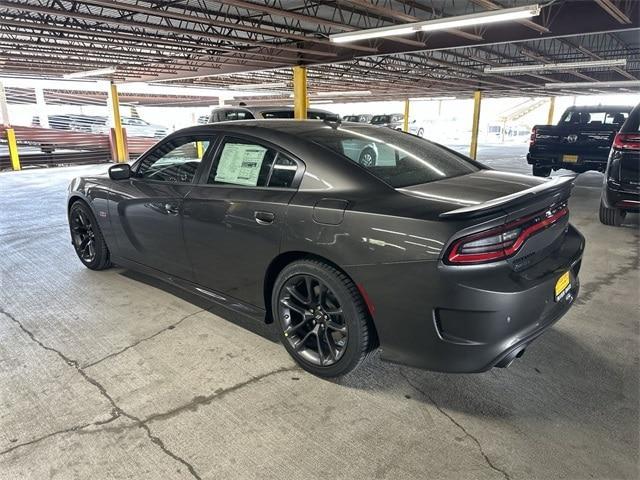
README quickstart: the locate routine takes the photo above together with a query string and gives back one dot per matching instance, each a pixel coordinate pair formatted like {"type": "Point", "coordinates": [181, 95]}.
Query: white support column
{"type": "Point", "coordinates": [42, 108]}
{"type": "Point", "coordinates": [4, 108]}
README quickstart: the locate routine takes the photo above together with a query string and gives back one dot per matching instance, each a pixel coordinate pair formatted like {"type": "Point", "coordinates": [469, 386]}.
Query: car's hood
{"type": "Point", "coordinates": [472, 189]}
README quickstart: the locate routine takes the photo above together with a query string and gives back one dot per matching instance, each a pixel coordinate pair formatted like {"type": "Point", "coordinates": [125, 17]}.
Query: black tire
{"type": "Point", "coordinates": [367, 157]}
{"type": "Point", "coordinates": [541, 171]}
{"type": "Point", "coordinates": [341, 294]}
{"type": "Point", "coordinates": [421, 132]}
{"type": "Point", "coordinates": [86, 237]}
{"type": "Point", "coordinates": [611, 216]}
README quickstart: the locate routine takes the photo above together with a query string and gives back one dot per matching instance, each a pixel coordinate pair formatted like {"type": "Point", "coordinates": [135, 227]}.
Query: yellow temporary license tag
{"type": "Point", "coordinates": [562, 286]}
{"type": "Point", "coordinates": [570, 158]}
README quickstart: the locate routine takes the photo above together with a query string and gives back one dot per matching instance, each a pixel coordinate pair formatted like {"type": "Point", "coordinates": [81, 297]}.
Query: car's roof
{"type": "Point", "coordinates": [265, 108]}
{"type": "Point", "coordinates": [602, 108]}
{"type": "Point", "coordinates": [285, 125]}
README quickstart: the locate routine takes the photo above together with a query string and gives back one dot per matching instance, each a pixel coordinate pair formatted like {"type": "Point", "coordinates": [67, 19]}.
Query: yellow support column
{"type": "Point", "coordinates": [300, 99]}
{"type": "Point", "coordinates": [552, 106]}
{"type": "Point", "coordinates": [117, 123]}
{"type": "Point", "coordinates": [199, 150]}
{"type": "Point", "coordinates": [405, 123]}
{"type": "Point", "coordinates": [13, 149]}
{"type": "Point", "coordinates": [475, 127]}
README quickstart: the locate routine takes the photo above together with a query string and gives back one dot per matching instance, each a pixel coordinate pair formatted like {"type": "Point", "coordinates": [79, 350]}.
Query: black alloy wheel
{"type": "Point", "coordinates": [86, 237]}
{"type": "Point", "coordinates": [313, 320]}
{"type": "Point", "coordinates": [367, 157]}
{"type": "Point", "coordinates": [322, 320]}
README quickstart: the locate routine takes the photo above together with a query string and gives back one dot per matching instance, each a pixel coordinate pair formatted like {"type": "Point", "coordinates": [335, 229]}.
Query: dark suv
{"type": "Point", "coordinates": [621, 188]}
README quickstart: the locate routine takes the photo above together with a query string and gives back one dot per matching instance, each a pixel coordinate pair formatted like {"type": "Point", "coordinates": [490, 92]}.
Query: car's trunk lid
{"type": "Point", "coordinates": [472, 200]}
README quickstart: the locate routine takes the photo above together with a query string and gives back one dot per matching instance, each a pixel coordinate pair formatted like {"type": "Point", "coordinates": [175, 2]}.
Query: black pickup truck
{"type": "Point", "coordinates": [581, 141]}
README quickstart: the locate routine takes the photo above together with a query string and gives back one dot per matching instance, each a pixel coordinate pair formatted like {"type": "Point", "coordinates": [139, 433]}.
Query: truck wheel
{"type": "Point", "coordinates": [541, 171]}
{"type": "Point", "coordinates": [611, 216]}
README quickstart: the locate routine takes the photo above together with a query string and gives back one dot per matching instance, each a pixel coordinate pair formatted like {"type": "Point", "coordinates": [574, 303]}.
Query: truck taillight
{"type": "Point", "coordinates": [627, 141]}
{"type": "Point", "coordinates": [532, 139]}
{"type": "Point", "coordinates": [502, 242]}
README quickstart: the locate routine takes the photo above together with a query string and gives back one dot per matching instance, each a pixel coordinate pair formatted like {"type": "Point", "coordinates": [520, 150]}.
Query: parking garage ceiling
{"type": "Point", "coordinates": [233, 43]}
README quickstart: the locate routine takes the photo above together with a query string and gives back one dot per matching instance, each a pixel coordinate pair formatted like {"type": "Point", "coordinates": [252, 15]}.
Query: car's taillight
{"type": "Point", "coordinates": [532, 139]}
{"type": "Point", "coordinates": [627, 141]}
{"type": "Point", "coordinates": [502, 242]}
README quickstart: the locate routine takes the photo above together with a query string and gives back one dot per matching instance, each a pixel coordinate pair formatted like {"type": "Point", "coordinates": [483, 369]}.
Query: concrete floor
{"type": "Point", "coordinates": [109, 375]}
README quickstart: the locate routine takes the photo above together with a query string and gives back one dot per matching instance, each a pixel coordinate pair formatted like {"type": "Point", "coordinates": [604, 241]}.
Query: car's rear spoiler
{"type": "Point", "coordinates": [551, 186]}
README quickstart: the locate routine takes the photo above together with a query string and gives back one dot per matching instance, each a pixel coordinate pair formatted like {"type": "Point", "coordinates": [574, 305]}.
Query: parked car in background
{"type": "Point", "coordinates": [135, 127]}
{"type": "Point", "coordinates": [441, 262]}
{"type": "Point", "coordinates": [202, 120]}
{"type": "Point", "coordinates": [621, 187]}
{"type": "Point", "coordinates": [581, 141]}
{"type": "Point", "coordinates": [362, 118]}
{"type": "Point", "coordinates": [394, 120]}
{"type": "Point", "coordinates": [225, 114]}
{"type": "Point", "coordinates": [59, 122]}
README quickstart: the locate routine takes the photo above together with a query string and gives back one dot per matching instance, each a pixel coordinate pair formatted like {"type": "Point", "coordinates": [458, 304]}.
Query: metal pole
{"type": "Point", "coordinates": [405, 123]}
{"type": "Point", "coordinates": [475, 127]}
{"type": "Point", "coordinates": [117, 123]}
{"type": "Point", "coordinates": [552, 106]}
{"type": "Point", "coordinates": [13, 149]}
{"type": "Point", "coordinates": [300, 100]}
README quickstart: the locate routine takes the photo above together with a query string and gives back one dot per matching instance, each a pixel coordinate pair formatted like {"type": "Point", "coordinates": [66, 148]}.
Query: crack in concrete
{"type": "Point", "coordinates": [76, 428]}
{"type": "Point", "coordinates": [138, 342]}
{"type": "Point", "coordinates": [589, 289]}
{"type": "Point", "coordinates": [457, 424]}
{"type": "Point", "coordinates": [116, 410]}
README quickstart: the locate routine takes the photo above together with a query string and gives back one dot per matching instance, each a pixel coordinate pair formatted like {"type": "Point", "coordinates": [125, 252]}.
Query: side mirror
{"type": "Point", "coordinates": [121, 171]}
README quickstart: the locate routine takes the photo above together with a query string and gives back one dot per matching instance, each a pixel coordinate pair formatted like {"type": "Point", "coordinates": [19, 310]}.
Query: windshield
{"type": "Point", "coordinates": [396, 158]}
{"type": "Point", "coordinates": [311, 114]}
{"type": "Point", "coordinates": [351, 118]}
{"type": "Point", "coordinates": [604, 117]}
{"type": "Point", "coordinates": [377, 119]}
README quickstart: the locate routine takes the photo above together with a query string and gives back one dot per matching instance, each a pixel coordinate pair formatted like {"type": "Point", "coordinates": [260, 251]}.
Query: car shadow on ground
{"type": "Point", "coordinates": [259, 328]}
{"type": "Point", "coordinates": [558, 376]}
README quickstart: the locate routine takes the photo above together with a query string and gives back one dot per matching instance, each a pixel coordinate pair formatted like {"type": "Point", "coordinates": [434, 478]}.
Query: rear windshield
{"type": "Point", "coordinates": [396, 158]}
{"type": "Point", "coordinates": [605, 117]}
{"type": "Point", "coordinates": [632, 125]}
{"type": "Point", "coordinates": [311, 114]}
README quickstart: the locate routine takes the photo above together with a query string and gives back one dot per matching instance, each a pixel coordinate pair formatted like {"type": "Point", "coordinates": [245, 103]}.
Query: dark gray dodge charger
{"type": "Point", "coordinates": [437, 260]}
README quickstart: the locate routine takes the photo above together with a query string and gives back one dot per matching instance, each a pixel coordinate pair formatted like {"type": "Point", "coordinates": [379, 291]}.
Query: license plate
{"type": "Point", "coordinates": [563, 285]}
{"type": "Point", "coordinates": [570, 158]}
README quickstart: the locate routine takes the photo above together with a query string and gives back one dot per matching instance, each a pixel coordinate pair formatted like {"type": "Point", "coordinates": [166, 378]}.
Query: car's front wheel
{"type": "Point", "coordinates": [87, 238]}
{"type": "Point", "coordinates": [611, 216]}
{"type": "Point", "coordinates": [321, 318]}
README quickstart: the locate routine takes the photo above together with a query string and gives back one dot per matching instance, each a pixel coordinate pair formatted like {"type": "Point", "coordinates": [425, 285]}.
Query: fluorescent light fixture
{"type": "Point", "coordinates": [91, 73]}
{"type": "Point", "coordinates": [618, 62]}
{"type": "Point", "coordinates": [481, 18]}
{"type": "Point", "coordinates": [615, 84]}
{"type": "Point", "coordinates": [318, 102]}
{"type": "Point", "coordinates": [346, 93]}
{"type": "Point", "coordinates": [258, 86]}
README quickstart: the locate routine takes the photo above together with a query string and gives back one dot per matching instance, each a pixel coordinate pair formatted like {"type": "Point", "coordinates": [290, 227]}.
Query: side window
{"type": "Point", "coordinates": [247, 163]}
{"type": "Point", "coordinates": [175, 161]}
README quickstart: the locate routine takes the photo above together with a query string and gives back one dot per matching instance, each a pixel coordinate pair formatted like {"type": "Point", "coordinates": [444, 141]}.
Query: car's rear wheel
{"type": "Point", "coordinates": [87, 238]}
{"type": "Point", "coordinates": [321, 318]}
{"type": "Point", "coordinates": [541, 171]}
{"type": "Point", "coordinates": [611, 216]}
{"type": "Point", "coordinates": [367, 157]}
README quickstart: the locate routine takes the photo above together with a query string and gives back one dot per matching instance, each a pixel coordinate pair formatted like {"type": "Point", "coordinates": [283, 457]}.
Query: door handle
{"type": "Point", "coordinates": [172, 208]}
{"type": "Point", "coordinates": [264, 218]}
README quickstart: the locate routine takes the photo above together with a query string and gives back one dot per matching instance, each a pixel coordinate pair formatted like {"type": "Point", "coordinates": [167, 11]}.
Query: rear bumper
{"type": "Point", "coordinates": [463, 319]}
{"type": "Point", "coordinates": [628, 200]}
{"type": "Point", "coordinates": [554, 160]}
